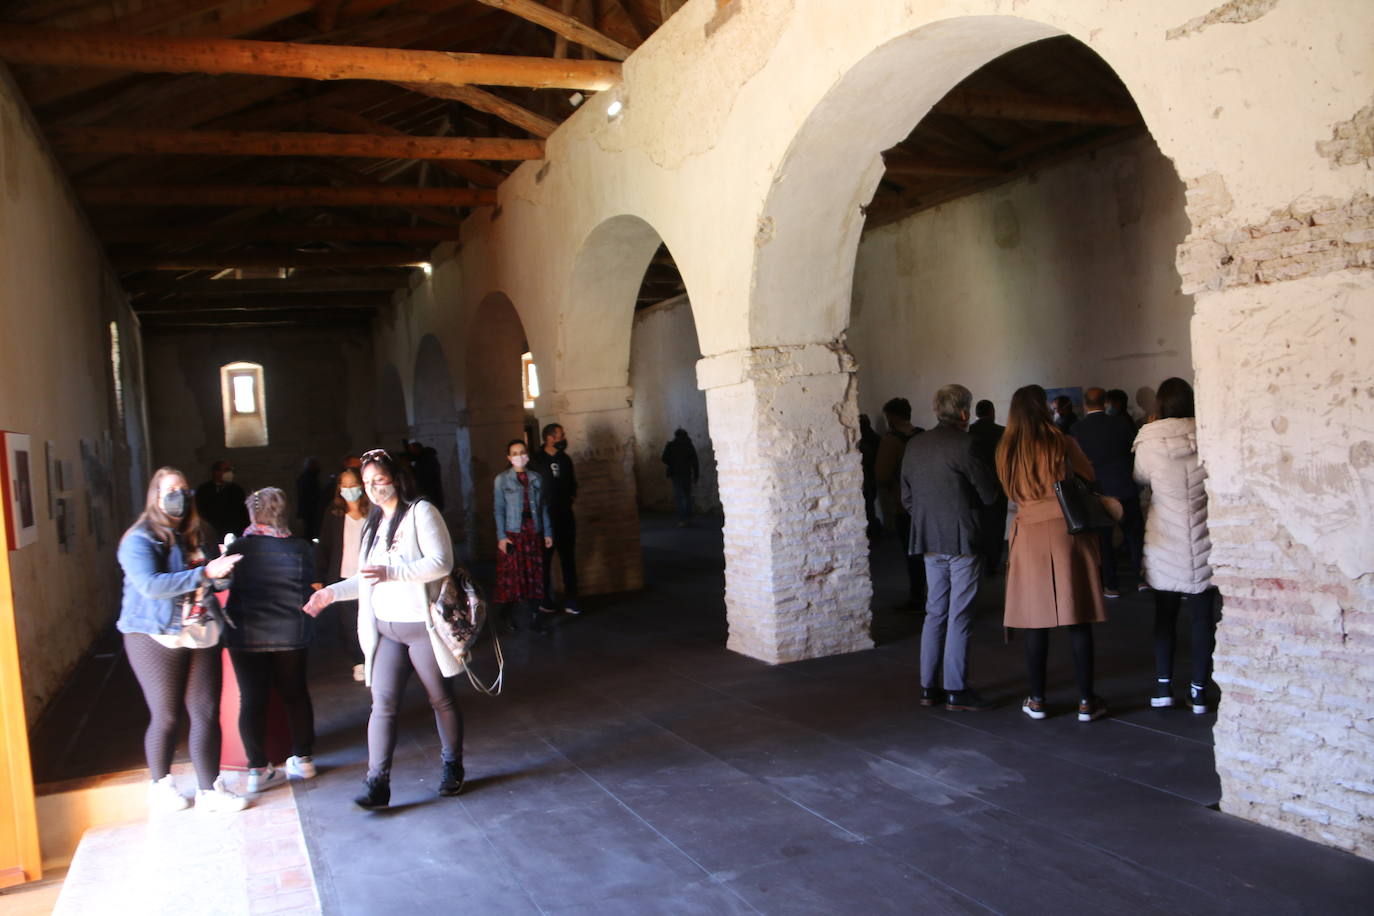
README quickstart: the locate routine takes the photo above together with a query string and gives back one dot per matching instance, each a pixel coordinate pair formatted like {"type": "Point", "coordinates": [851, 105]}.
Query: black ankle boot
{"type": "Point", "coordinates": [451, 782]}
{"type": "Point", "coordinates": [378, 794]}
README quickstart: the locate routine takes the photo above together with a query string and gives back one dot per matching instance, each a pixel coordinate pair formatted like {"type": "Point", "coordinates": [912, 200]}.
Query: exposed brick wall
{"type": "Point", "coordinates": [1302, 240]}
{"type": "Point", "coordinates": [1285, 313]}
{"type": "Point", "coordinates": [784, 421]}
{"type": "Point", "coordinates": [1295, 739]}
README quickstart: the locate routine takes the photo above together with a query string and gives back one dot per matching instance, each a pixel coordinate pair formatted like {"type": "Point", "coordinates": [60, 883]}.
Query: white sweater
{"type": "Point", "coordinates": [415, 571]}
{"type": "Point", "coordinates": [1177, 545]}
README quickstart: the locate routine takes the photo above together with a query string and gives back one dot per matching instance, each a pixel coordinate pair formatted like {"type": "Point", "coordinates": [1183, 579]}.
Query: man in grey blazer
{"type": "Point", "coordinates": [945, 486]}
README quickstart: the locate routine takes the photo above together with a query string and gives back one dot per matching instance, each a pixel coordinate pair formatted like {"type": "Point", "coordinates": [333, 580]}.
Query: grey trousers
{"type": "Point", "coordinates": [404, 647]}
{"type": "Point", "coordinates": [951, 584]}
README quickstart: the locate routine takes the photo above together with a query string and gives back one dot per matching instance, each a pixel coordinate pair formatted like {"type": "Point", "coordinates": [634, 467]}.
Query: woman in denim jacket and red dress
{"type": "Point", "coordinates": [523, 531]}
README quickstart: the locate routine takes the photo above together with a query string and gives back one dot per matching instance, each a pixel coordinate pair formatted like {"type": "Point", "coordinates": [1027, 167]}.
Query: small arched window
{"type": "Point", "coordinates": [245, 405]}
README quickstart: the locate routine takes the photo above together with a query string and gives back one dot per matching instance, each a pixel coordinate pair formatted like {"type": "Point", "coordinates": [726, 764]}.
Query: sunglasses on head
{"type": "Point", "coordinates": [376, 453]}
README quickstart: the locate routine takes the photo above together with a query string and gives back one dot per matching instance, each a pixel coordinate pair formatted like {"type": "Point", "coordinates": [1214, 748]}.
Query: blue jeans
{"type": "Point", "coordinates": [951, 584]}
{"type": "Point", "coordinates": [682, 495]}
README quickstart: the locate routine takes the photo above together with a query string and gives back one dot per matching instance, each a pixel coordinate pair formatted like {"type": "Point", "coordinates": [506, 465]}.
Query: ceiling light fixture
{"type": "Point", "coordinates": [614, 109]}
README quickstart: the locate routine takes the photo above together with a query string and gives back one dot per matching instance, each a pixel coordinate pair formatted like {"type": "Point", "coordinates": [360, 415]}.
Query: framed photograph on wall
{"type": "Point", "coordinates": [16, 485]}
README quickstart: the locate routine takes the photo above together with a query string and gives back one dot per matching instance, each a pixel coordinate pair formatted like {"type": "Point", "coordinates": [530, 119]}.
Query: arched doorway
{"type": "Point", "coordinates": [496, 409]}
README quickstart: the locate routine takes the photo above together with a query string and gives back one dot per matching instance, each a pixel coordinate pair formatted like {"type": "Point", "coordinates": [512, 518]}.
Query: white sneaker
{"type": "Point", "coordinates": [163, 796]}
{"type": "Point", "coordinates": [359, 673]}
{"type": "Point", "coordinates": [261, 779]}
{"type": "Point", "coordinates": [218, 799]}
{"type": "Point", "coordinates": [300, 767]}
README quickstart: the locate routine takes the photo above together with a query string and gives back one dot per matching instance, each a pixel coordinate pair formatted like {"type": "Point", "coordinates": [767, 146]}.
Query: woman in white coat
{"type": "Point", "coordinates": [405, 555]}
{"type": "Point", "coordinates": [1177, 545]}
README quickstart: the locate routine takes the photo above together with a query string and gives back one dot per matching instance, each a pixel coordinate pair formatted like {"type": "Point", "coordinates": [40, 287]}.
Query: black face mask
{"type": "Point", "coordinates": [561, 446]}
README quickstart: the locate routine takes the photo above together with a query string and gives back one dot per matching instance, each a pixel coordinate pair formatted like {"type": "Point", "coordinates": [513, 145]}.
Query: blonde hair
{"type": "Point", "coordinates": [267, 507]}
{"type": "Point", "coordinates": [1030, 455]}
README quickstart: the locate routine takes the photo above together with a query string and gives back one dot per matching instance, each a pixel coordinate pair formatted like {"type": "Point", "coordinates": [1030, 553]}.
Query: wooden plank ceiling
{"type": "Point", "coordinates": [289, 162]}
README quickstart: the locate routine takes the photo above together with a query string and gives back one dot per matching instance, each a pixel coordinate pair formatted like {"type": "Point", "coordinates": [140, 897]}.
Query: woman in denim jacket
{"type": "Point", "coordinates": [523, 532]}
{"type": "Point", "coordinates": [171, 625]}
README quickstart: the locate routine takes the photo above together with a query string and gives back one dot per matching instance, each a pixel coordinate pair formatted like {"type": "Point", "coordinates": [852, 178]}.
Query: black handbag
{"type": "Point", "coordinates": [1081, 504]}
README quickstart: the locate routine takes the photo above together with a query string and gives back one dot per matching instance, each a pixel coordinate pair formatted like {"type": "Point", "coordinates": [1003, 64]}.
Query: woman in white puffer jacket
{"type": "Point", "coordinates": [1177, 545]}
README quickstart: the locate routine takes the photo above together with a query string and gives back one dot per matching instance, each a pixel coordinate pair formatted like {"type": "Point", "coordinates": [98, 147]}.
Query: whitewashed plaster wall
{"type": "Point", "coordinates": [750, 141]}
{"type": "Point", "coordinates": [1063, 278]}
{"type": "Point", "coordinates": [663, 375]}
{"type": "Point", "coordinates": [57, 299]}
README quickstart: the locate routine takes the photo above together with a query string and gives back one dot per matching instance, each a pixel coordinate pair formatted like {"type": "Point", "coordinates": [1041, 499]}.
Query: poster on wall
{"type": "Point", "coordinates": [17, 486]}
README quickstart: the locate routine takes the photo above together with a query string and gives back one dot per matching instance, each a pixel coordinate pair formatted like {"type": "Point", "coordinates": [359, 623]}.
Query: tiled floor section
{"type": "Point", "coordinates": [635, 766]}
{"type": "Point", "coordinates": [243, 864]}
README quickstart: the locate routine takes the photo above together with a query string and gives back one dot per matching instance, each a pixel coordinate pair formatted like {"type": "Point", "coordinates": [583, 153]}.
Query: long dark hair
{"type": "Point", "coordinates": [1031, 451]}
{"type": "Point", "coordinates": [161, 525]}
{"type": "Point", "coordinates": [406, 494]}
{"type": "Point", "coordinates": [1174, 399]}
{"type": "Point", "coordinates": [339, 506]}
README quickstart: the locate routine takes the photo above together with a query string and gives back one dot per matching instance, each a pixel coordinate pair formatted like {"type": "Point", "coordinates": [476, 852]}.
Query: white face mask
{"type": "Point", "coordinates": [352, 494]}
{"type": "Point", "coordinates": [228, 477]}
{"type": "Point", "coordinates": [381, 493]}
{"type": "Point", "coordinates": [519, 461]}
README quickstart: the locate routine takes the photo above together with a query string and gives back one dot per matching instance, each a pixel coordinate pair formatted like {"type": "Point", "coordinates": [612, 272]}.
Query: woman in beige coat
{"type": "Point", "coordinates": [1053, 578]}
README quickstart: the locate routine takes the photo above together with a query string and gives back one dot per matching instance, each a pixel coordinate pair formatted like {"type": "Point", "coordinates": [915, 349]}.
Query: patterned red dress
{"type": "Point", "coordinates": [520, 573]}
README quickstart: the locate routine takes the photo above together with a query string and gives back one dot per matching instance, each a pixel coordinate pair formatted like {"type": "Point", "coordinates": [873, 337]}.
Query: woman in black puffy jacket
{"type": "Point", "coordinates": [268, 636]}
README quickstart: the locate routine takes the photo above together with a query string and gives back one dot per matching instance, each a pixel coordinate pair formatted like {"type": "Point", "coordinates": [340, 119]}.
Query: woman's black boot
{"type": "Point", "coordinates": [378, 794]}
{"type": "Point", "coordinates": [451, 782]}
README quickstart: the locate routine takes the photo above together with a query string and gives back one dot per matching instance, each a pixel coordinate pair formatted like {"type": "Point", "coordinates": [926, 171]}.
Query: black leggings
{"type": "Point", "coordinates": [258, 673]}
{"type": "Point", "coordinates": [1038, 653]}
{"type": "Point", "coordinates": [401, 648]}
{"type": "Point", "coordinates": [169, 678]}
{"type": "Point", "coordinates": [1166, 633]}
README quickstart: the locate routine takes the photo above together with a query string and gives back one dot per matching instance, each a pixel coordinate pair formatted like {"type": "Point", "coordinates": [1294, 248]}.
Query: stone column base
{"type": "Point", "coordinates": [784, 421]}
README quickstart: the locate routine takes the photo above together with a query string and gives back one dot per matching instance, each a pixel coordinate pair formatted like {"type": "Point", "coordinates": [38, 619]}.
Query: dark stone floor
{"type": "Point", "coordinates": [633, 765]}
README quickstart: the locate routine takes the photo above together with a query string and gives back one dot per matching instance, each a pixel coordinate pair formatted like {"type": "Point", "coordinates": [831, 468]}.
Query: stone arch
{"type": "Point", "coordinates": [495, 410]}
{"type": "Point", "coordinates": [434, 420]}
{"type": "Point", "coordinates": [809, 232]}
{"type": "Point", "coordinates": [605, 281]}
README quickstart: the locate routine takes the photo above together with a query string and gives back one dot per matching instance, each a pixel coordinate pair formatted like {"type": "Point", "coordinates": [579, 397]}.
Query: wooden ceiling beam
{"type": "Point", "coordinates": [1010, 106]}
{"type": "Point", "coordinates": [284, 196]}
{"type": "Point", "coordinates": [914, 166]}
{"type": "Point", "coordinates": [347, 120]}
{"type": "Point", "coordinates": [258, 304]}
{"type": "Point", "coordinates": [355, 283]}
{"type": "Point", "coordinates": [144, 141]}
{"type": "Point", "coordinates": [564, 25]}
{"type": "Point", "coordinates": [284, 235]}
{"type": "Point", "coordinates": [239, 321]}
{"type": "Point", "coordinates": [267, 260]}
{"type": "Point", "coordinates": [148, 54]}
{"type": "Point", "coordinates": [335, 171]}
{"type": "Point", "coordinates": [490, 103]}
{"type": "Point", "coordinates": [248, 21]}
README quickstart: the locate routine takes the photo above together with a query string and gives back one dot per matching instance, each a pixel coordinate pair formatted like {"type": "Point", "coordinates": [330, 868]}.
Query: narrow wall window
{"type": "Point", "coordinates": [117, 370]}
{"type": "Point", "coordinates": [529, 379]}
{"type": "Point", "coordinates": [243, 391]}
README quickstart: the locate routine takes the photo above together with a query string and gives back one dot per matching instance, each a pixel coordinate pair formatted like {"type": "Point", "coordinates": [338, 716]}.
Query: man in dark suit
{"type": "Point", "coordinates": [944, 487]}
{"type": "Point", "coordinates": [221, 502]}
{"type": "Point", "coordinates": [1107, 439]}
{"type": "Point", "coordinates": [986, 433]}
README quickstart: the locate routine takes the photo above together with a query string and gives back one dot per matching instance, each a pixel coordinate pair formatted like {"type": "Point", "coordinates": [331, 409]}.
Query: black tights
{"type": "Point", "coordinates": [1166, 633]}
{"type": "Point", "coordinates": [1038, 653]}
{"type": "Point", "coordinates": [169, 678]}
{"type": "Point", "coordinates": [258, 673]}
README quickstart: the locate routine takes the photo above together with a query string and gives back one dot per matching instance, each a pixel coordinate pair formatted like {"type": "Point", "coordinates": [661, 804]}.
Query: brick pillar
{"type": "Point", "coordinates": [599, 423]}
{"type": "Point", "coordinates": [784, 421]}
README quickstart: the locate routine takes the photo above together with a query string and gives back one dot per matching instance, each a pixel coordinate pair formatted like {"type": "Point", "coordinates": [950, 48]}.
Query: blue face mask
{"type": "Point", "coordinates": [174, 503]}
{"type": "Point", "coordinates": [352, 494]}
{"type": "Point", "coordinates": [1111, 410]}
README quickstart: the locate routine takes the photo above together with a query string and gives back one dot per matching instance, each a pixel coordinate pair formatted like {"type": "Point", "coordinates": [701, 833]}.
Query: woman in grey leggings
{"type": "Point", "coordinates": [405, 555]}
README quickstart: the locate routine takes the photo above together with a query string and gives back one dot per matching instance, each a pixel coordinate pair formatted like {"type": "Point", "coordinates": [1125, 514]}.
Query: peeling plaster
{"type": "Point", "coordinates": [1352, 142]}
{"type": "Point", "coordinates": [1237, 12]}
